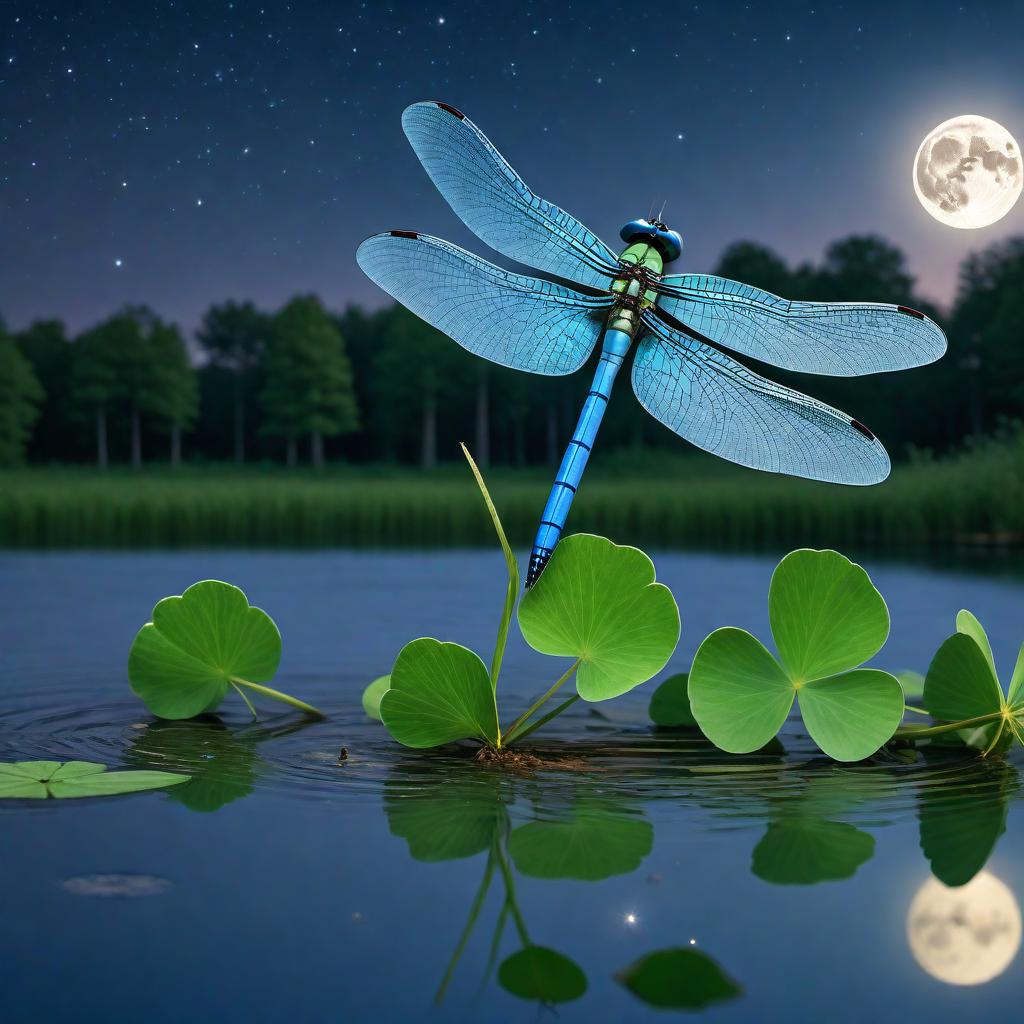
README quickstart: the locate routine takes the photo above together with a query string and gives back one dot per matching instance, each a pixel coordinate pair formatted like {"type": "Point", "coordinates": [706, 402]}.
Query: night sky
{"type": "Point", "coordinates": [184, 153]}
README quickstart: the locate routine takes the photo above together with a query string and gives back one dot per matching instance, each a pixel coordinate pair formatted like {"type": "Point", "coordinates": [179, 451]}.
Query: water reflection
{"type": "Point", "coordinates": [585, 837]}
{"type": "Point", "coordinates": [966, 935]}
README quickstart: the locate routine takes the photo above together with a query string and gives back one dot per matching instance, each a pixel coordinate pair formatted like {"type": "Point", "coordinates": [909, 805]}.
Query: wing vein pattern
{"type": "Point", "coordinates": [719, 405]}
{"type": "Point", "coordinates": [833, 338]}
{"type": "Point", "coordinates": [497, 205]}
{"type": "Point", "coordinates": [522, 322]}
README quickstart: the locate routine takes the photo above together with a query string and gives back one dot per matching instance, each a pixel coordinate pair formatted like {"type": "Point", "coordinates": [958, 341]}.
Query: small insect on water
{"type": "Point", "coordinates": [682, 324]}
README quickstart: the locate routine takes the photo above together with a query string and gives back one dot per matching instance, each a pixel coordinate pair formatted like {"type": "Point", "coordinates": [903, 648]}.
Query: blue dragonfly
{"type": "Point", "coordinates": [684, 326]}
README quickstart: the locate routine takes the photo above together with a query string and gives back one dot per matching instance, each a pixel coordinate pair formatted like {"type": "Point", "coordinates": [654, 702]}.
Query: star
{"type": "Point", "coordinates": [118, 262]}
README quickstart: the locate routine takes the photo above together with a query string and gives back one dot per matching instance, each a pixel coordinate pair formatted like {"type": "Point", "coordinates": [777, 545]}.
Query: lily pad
{"type": "Point", "coordinates": [599, 603]}
{"type": "Point", "coordinates": [372, 695]}
{"type": "Point", "coordinates": [826, 618]}
{"type": "Point", "coordinates": [678, 979]}
{"type": "Point", "coordinates": [670, 703]}
{"type": "Point", "coordinates": [539, 973]}
{"type": "Point", "coordinates": [199, 645]}
{"type": "Point", "coordinates": [594, 843]}
{"type": "Point", "coordinates": [440, 692]}
{"type": "Point", "coordinates": [912, 683]}
{"type": "Point", "coordinates": [38, 780]}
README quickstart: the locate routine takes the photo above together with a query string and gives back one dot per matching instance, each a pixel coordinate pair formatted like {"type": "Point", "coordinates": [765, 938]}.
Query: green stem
{"type": "Point", "coordinates": [248, 703]}
{"type": "Point", "coordinates": [277, 695]}
{"type": "Point", "coordinates": [916, 711]}
{"type": "Point", "coordinates": [995, 739]}
{"type": "Point", "coordinates": [911, 732]}
{"type": "Point", "coordinates": [474, 913]}
{"type": "Point", "coordinates": [542, 721]}
{"type": "Point", "coordinates": [533, 708]}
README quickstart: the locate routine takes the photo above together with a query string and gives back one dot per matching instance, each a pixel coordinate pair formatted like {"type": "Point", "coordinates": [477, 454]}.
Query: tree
{"type": "Point", "coordinates": [45, 345]}
{"type": "Point", "coordinates": [308, 387]}
{"type": "Point", "coordinates": [756, 265]}
{"type": "Point", "coordinates": [864, 268]}
{"type": "Point", "coordinates": [94, 378]}
{"type": "Point", "coordinates": [173, 390]}
{"type": "Point", "coordinates": [234, 337]}
{"type": "Point", "coordinates": [20, 398]}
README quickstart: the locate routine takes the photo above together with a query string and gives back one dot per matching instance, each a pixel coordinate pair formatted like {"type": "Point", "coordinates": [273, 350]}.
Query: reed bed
{"type": "Point", "coordinates": [975, 497]}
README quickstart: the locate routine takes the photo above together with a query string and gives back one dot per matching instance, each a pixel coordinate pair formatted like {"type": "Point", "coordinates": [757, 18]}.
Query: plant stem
{"type": "Point", "coordinates": [248, 703]}
{"type": "Point", "coordinates": [511, 593]}
{"type": "Point", "coordinates": [277, 695]}
{"type": "Point", "coordinates": [510, 892]}
{"type": "Point", "coordinates": [529, 713]}
{"type": "Point", "coordinates": [474, 913]}
{"type": "Point", "coordinates": [542, 721]}
{"type": "Point", "coordinates": [911, 732]}
{"type": "Point", "coordinates": [916, 711]}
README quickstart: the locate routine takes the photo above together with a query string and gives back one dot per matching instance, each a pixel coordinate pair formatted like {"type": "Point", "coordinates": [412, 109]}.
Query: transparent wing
{"type": "Point", "coordinates": [836, 338]}
{"type": "Point", "coordinates": [719, 405]}
{"type": "Point", "coordinates": [496, 203]}
{"type": "Point", "coordinates": [517, 321]}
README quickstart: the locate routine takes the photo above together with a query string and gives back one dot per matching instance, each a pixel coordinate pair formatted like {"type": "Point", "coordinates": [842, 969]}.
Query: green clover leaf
{"type": "Point", "coordinates": [198, 645]}
{"type": "Point", "coordinates": [372, 696]}
{"type": "Point", "coordinates": [439, 692]}
{"type": "Point", "coordinates": [599, 603]}
{"type": "Point", "coordinates": [670, 703]}
{"type": "Point", "coordinates": [678, 979]}
{"type": "Point", "coordinates": [826, 618]}
{"type": "Point", "coordinates": [536, 972]}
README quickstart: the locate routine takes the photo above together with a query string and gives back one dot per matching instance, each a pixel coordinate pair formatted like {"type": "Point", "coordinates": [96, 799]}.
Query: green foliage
{"type": "Point", "coordinates": [182, 663]}
{"type": "Point", "coordinates": [372, 695]}
{"type": "Point", "coordinates": [594, 841]}
{"type": "Point", "coordinates": [962, 687]}
{"type": "Point", "coordinates": [536, 972]}
{"type": "Point", "coordinates": [678, 979]}
{"type": "Point", "coordinates": [599, 603]}
{"type": "Point", "coordinates": [37, 780]}
{"type": "Point", "coordinates": [20, 398]}
{"type": "Point", "coordinates": [803, 850]}
{"type": "Point", "coordinates": [826, 619]}
{"type": "Point", "coordinates": [670, 703]}
{"type": "Point", "coordinates": [439, 692]}
{"type": "Point", "coordinates": [55, 436]}
{"type": "Point", "coordinates": [308, 387]}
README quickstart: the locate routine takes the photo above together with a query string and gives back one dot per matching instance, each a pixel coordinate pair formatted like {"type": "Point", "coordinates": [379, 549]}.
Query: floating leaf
{"type": "Point", "coordinates": [1015, 698]}
{"type": "Point", "coordinates": [537, 972]}
{"type": "Point", "coordinates": [200, 644]}
{"type": "Point", "coordinates": [826, 617]}
{"type": "Point", "coordinates": [593, 843]}
{"type": "Point", "coordinates": [678, 979]}
{"type": "Point", "coordinates": [806, 850]}
{"type": "Point", "coordinates": [670, 703]}
{"type": "Point", "coordinates": [372, 695]}
{"type": "Point", "coordinates": [439, 692]}
{"type": "Point", "coordinates": [42, 779]}
{"type": "Point", "coordinates": [599, 602]}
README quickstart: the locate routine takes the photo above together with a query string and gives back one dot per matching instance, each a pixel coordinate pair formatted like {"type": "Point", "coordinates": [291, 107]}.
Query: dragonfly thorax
{"type": "Point", "coordinates": [656, 234]}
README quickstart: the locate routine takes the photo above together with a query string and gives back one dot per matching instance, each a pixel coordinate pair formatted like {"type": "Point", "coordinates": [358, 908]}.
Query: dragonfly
{"type": "Point", "coordinates": [685, 330]}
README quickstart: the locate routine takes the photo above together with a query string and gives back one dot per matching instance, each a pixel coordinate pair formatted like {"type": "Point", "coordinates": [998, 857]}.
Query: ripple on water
{"type": "Point", "coordinates": [231, 756]}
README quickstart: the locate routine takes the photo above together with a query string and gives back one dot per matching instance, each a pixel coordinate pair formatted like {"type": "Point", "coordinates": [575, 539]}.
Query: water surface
{"type": "Point", "coordinates": [283, 883]}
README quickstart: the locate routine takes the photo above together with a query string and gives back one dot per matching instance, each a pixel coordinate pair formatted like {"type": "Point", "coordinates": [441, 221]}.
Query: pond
{"type": "Point", "coordinates": [285, 884]}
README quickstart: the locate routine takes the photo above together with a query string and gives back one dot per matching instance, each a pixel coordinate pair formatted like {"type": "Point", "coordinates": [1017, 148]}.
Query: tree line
{"type": "Point", "coordinates": [305, 384]}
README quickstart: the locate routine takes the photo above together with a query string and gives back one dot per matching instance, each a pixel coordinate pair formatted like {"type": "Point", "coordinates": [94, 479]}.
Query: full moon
{"type": "Point", "coordinates": [967, 172]}
{"type": "Point", "coordinates": [964, 936]}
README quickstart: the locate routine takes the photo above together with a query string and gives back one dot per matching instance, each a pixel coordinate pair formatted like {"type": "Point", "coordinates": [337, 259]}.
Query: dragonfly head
{"type": "Point", "coordinates": [668, 243]}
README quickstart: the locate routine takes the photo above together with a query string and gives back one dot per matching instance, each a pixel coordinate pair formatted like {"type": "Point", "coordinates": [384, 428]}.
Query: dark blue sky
{"type": "Point", "coordinates": [182, 153]}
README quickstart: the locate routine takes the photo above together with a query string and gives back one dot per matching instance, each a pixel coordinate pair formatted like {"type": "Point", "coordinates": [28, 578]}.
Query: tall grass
{"type": "Point", "coordinates": [976, 496]}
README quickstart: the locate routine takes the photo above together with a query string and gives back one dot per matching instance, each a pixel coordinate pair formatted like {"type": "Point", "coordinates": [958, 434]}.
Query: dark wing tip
{"type": "Point", "coordinates": [403, 234]}
{"type": "Point", "coordinates": [451, 110]}
{"type": "Point", "coordinates": [857, 425]}
{"type": "Point", "coordinates": [911, 312]}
